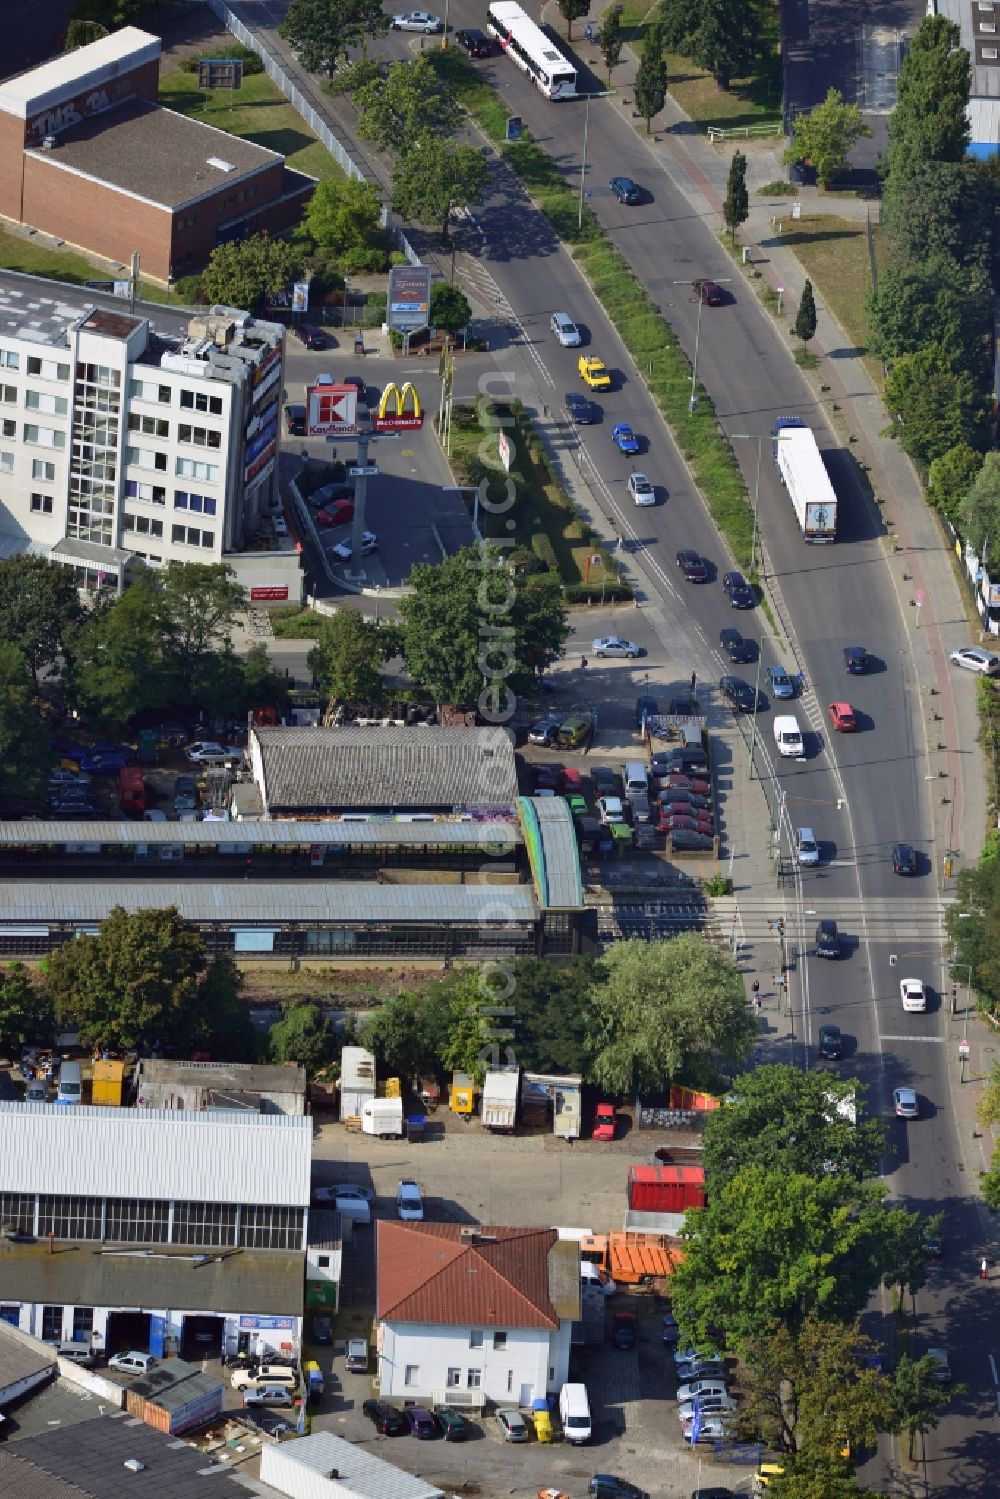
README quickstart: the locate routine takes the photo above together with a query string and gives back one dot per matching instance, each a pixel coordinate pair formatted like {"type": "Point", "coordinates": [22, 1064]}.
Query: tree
{"type": "Point", "coordinates": [409, 102]}
{"type": "Point", "coordinates": [407, 1034]}
{"type": "Point", "coordinates": [471, 632]}
{"type": "Point", "coordinates": [610, 38]}
{"type": "Point", "coordinates": [979, 516]}
{"type": "Point", "coordinates": [24, 742]}
{"type": "Point", "coordinates": [302, 1035]}
{"type": "Point", "coordinates": [323, 31]}
{"type": "Point", "coordinates": [197, 607]}
{"type": "Point", "coordinates": [804, 326]}
{"type": "Point", "coordinates": [651, 78]}
{"type": "Point", "coordinates": [262, 682]}
{"type": "Point", "coordinates": [118, 667]}
{"type": "Point", "coordinates": [39, 610]}
{"type": "Point", "coordinates": [930, 120]}
{"type": "Point", "coordinates": [724, 38]}
{"type": "Point", "coordinates": [928, 301]}
{"type": "Point", "coordinates": [436, 176]}
{"type": "Point", "coordinates": [676, 20]}
{"type": "Point", "coordinates": [25, 1011]}
{"type": "Point", "coordinates": [806, 1122]}
{"type": "Point", "coordinates": [940, 210]}
{"type": "Point", "coordinates": [82, 33]}
{"type": "Point", "coordinates": [347, 656]}
{"type": "Point", "coordinates": [812, 1476]}
{"type": "Point", "coordinates": [933, 407]}
{"type": "Point", "coordinates": [661, 1008]}
{"type": "Point", "coordinates": [827, 136]}
{"type": "Point", "coordinates": [572, 10]}
{"type": "Point", "coordinates": [242, 272]}
{"type": "Point", "coordinates": [918, 1397]}
{"type": "Point", "coordinates": [736, 207]}
{"type": "Point", "coordinates": [973, 926]}
{"type": "Point", "coordinates": [449, 308]}
{"type": "Point", "coordinates": [949, 478]}
{"type": "Point", "coordinates": [140, 983]}
{"type": "Point", "coordinates": [343, 214]}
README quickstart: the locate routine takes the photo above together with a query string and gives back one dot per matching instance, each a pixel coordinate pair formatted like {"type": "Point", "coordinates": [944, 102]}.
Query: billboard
{"type": "Point", "coordinates": [331, 408]}
{"type": "Point", "coordinates": [392, 415]}
{"type": "Point", "coordinates": [220, 72]}
{"type": "Point", "coordinates": [409, 297]}
{"type": "Point", "coordinates": [300, 296]}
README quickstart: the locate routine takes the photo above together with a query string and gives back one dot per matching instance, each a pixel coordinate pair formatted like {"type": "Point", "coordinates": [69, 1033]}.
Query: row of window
{"type": "Point", "coordinates": [156, 426]}
{"type": "Point", "coordinates": [40, 467]}
{"type": "Point", "coordinates": [184, 499]}
{"type": "Point", "coordinates": [35, 400]}
{"type": "Point", "coordinates": [240, 195]}
{"type": "Point", "coordinates": [147, 525]}
{"type": "Point", "coordinates": [190, 400]}
{"type": "Point", "coordinates": [184, 468]}
{"type": "Point", "coordinates": [48, 369]}
{"type": "Point", "coordinates": [154, 1221]}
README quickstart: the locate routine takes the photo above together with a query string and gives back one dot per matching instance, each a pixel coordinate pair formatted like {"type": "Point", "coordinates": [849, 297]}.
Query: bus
{"type": "Point", "coordinates": [532, 51]}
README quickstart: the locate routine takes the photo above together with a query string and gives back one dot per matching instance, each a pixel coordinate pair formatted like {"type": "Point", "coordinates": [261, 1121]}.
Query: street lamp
{"type": "Point", "coordinates": [693, 399]}
{"type": "Point", "coordinates": [583, 165]}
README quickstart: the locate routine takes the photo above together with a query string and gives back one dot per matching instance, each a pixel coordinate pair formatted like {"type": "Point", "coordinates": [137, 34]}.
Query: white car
{"type": "Point", "coordinates": [208, 752]}
{"type": "Point", "coordinates": [417, 20]}
{"type": "Point", "coordinates": [409, 1203]}
{"type": "Point", "coordinates": [269, 1394]}
{"type": "Point", "coordinates": [714, 1428]}
{"type": "Point", "coordinates": [369, 541]}
{"type": "Point", "coordinates": [612, 645]}
{"type": "Point", "coordinates": [641, 489]}
{"type": "Point", "coordinates": [610, 809]}
{"type": "Point", "coordinates": [710, 1405]}
{"type": "Point", "coordinates": [694, 1356]}
{"type": "Point", "coordinates": [913, 996]}
{"type": "Point", "coordinates": [973, 659]}
{"type": "Point", "coordinates": [806, 847]}
{"type": "Point", "coordinates": [132, 1362]}
{"type": "Point", "coordinates": [701, 1388]}
{"type": "Point", "coordinates": [565, 330]}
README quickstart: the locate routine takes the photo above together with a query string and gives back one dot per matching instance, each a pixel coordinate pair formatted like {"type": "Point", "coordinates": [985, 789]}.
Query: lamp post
{"type": "Point", "coordinates": [692, 398]}
{"type": "Point", "coordinates": [583, 164]}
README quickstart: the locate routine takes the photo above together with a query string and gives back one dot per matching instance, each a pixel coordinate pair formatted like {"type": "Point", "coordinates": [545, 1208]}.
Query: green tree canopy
{"type": "Point", "coordinates": [324, 31]}
{"type": "Point", "coordinates": [736, 207]}
{"type": "Point", "coordinates": [140, 983]}
{"type": "Point", "coordinates": [118, 667]}
{"type": "Point", "coordinates": [572, 10]}
{"type": "Point", "coordinates": [551, 1005]}
{"type": "Point", "coordinates": [812, 1476]}
{"type": "Point", "coordinates": [347, 656]}
{"type": "Point", "coordinates": [197, 606]}
{"type": "Point", "coordinates": [436, 176]}
{"type": "Point", "coordinates": [408, 1034]}
{"type": "Point", "coordinates": [929, 122]}
{"type": "Point", "coordinates": [933, 406]}
{"type": "Point", "coordinates": [972, 921]}
{"type": "Point", "coordinates": [39, 610]}
{"type": "Point", "coordinates": [82, 33]}
{"type": "Point", "coordinates": [950, 478]}
{"type": "Point", "coordinates": [24, 742]}
{"type": "Point", "coordinates": [827, 136]}
{"type": "Point", "coordinates": [651, 78]}
{"type": "Point", "coordinates": [806, 1122]}
{"type": "Point", "coordinates": [804, 326]}
{"type": "Point", "coordinates": [918, 1397]}
{"type": "Point", "coordinates": [343, 214]}
{"type": "Point", "coordinates": [25, 1010]}
{"type": "Point", "coordinates": [302, 1035]}
{"type": "Point", "coordinates": [723, 37]}
{"type": "Point", "coordinates": [941, 209]}
{"type": "Point", "coordinates": [660, 1009]}
{"type": "Point", "coordinates": [410, 101]}
{"type": "Point", "coordinates": [241, 272]}
{"type": "Point", "coordinates": [611, 38]}
{"type": "Point", "coordinates": [930, 301]}
{"type": "Point", "coordinates": [979, 517]}
{"type": "Point", "coordinates": [449, 307]}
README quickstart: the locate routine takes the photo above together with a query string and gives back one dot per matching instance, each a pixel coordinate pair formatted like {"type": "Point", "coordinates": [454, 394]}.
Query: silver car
{"type": "Point", "coordinates": [565, 330]}
{"type": "Point", "coordinates": [613, 645]}
{"type": "Point", "coordinates": [417, 20]}
{"type": "Point", "coordinates": [973, 659]}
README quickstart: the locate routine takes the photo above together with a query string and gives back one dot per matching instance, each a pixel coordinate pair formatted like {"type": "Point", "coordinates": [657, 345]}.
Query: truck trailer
{"type": "Point", "coordinates": [804, 475]}
{"type": "Point", "coordinates": [501, 1087]}
{"type": "Point", "coordinates": [631, 1259]}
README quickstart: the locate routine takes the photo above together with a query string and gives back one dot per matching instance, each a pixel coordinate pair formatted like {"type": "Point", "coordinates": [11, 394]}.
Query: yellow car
{"type": "Point", "coordinates": [594, 372]}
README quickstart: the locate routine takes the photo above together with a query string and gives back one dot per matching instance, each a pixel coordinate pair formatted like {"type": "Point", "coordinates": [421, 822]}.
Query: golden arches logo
{"type": "Point", "coordinates": [398, 399]}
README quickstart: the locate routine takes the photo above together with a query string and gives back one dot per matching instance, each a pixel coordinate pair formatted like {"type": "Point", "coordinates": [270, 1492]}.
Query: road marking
{"type": "Point", "coordinates": [937, 1040]}
{"type": "Point", "coordinates": [996, 1381]}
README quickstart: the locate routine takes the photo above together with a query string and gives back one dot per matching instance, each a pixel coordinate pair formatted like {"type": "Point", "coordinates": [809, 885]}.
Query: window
{"type": "Point", "coordinates": [473, 1379]}
{"type": "Point", "coordinates": [153, 426]}
{"type": "Point", "coordinates": [40, 400]}
{"type": "Point", "coordinates": [52, 1320]}
{"type": "Point", "coordinates": [323, 1262]}
{"type": "Point", "coordinates": [8, 394]}
{"type": "Point", "coordinates": [199, 437]}
{"type": "Point", "coordinates": [499, 1340]}
{"type": "Point", "coordinates": [189, 468]}
{"type": "Point", "coordinates": [190, 536]}
{"type": "Point", "coordinates": [201, 504]}
{"type": "Point", "coordinates": [453, 1379]}
{"type": "Point", "coordinates": [41, 504]}
{"type": "Point", "coordinates": [199, 400]}
{"type": "Point", "coordinates": [8, 428]}
{"type": "Point", "coordinates": [153, 494]}
{"type": "Point", "coordinates": [476, 1338]}
{"type": "Point", "coordinates": [9, 360]}
{"type": "Point", "coordinates": [143, 525]}
{"type": "Point", "coordinates": [6, 463]}
{"type": "Point", "coordinates": [45, 437]}
{"type": "Point", "coordinates": [94, 374]}
{"type": "Point", "coordinates": [149, 390]}
{"type": "Point", "coordinates": [83, 1323]}
{"type": "Point", "coordinates": [990, 52]}
{"type": "Point", "coordinates": [412, 1374]}
{"type": "Point", "coordinates": [47, 368]}
{"type": "Point", "coordinates": [510, 1380]}
{"type": "Point", "coordinates": [41, 468]}
{"type": "Point", "coordinates": [145, 458]}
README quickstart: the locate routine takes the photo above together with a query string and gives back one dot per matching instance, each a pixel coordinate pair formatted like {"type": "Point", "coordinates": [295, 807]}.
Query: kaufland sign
{"type": "Point", "coordinates": [331, 408]}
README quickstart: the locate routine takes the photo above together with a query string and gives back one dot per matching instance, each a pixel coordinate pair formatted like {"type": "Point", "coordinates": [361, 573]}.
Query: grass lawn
{"type": "Point", "coordinates": [259, 113]}
{"type": "Point", "coordinates": [834, 255]}
{"type": "Point", "coordinates": [36, 257]}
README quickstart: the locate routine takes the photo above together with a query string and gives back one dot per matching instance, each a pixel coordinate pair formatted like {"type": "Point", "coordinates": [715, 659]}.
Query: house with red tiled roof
{"type": "Point", "coordinates": [466, 1307]}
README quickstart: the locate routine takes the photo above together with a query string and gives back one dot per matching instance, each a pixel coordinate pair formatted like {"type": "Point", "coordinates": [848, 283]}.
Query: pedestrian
{"type": "Point", "coordinates": [620, 543]}
{"type": "Point", "coordinates": [756, 990]}
{"type": "Point", "coordinates": [984, 1273]}
{"type": "Point", "coordinates": [583, 663]}
{"type": "Point", "coordinates": [247, 867]}
{"type": "Point", "coordinates": [694, 680]}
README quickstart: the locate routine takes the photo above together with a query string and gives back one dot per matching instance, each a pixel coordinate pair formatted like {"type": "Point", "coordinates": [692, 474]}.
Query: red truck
{"type": "Point", "coordinates": [131, 791]}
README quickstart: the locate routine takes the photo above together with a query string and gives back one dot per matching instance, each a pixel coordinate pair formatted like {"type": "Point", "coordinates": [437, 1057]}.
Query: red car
{"type": "Point", "coordinates": [572, 780]}
{"type": "Point", "coordinates": [684, 783]}
{"type": "Point", "coordinates": [707, 292]}
{"type": "Point", "coordinates": [336, 514]}
{"type": "Point", "coordinates": [676, 824]}
{"type": "Point", "coordinates": [843, 717]}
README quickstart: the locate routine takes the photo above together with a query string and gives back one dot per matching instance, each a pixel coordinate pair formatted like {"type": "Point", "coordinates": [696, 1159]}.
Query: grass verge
{"type": "Point", "coordinates": [833, 253]}
{"type": "Point", "coordinates": [289, 622]}
{"type": "Point", "coordinates": [648, 337]}
{"type": "Point", "coordinates": [34, 257]}
{"type": "Point", "coordinates": [258, 112]}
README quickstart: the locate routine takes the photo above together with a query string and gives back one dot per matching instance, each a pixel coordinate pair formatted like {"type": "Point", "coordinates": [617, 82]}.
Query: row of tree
{"type": "Point", "coordinates": [781, 1264]}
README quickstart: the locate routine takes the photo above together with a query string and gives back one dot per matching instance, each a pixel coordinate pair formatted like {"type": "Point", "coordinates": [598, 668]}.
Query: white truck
{"type": "Point", "coordinates": [804, 475]}
{"type": "Point", "coordinates": [501, 1087]}
{"type": "Point", "coordinates": [383, 1117]}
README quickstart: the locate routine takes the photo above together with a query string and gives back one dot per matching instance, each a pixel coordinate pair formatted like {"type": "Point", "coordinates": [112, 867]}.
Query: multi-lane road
{"type": "Point", "coordinates": [860, 793]}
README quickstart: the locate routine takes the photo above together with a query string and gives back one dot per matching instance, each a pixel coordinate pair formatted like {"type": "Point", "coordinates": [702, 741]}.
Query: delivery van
{"type": "Point", "coordinates": [70, 1083]}
{"type": "Point", "coordinates": [574, 1413]}
{"type": "Point", "coordinates": [788, 735]}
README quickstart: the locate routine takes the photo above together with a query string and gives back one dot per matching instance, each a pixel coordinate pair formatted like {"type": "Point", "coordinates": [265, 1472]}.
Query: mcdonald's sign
{"type": "Point", "coordinates": [392, 413]}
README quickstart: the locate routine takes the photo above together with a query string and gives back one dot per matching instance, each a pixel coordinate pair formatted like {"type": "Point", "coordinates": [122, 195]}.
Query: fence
{"type": "Point", "coordinates": [719, 134]}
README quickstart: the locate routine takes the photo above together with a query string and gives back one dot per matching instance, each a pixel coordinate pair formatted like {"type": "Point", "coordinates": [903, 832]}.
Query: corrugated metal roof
{"type": "Point", "coordinates": [444, 831]}
{"type": "Point", "coordinates": [355, 1468]}
{"type": "Point", "coordinates": [267, 1282]}
{"type": "Point", "coordinates": [155, 1153]}
{"type": "Point", "coordinates": [255, 1077]}
{"type": "Point", "coordinates": [257, 903]}
{"type": "Point", "coordinates": [419, 767]}
{"type": "Point", "coordinates": [560, 851]}
{"type": "Point", "coordinates": [429, 1272]}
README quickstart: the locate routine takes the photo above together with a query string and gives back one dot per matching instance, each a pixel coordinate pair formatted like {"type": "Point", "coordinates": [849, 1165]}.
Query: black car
{"type": "Point", "coordinates": [623, 1330]}
{"type": "Point", "coordinates": [856, 660]}
{"type": "Point", "coordinates": [738, 591]}
{"type": "Point", "coordinates": [736, 648]}
{"type": "Point", "coordinates": [626, 191]}
{"type": "Point", "coordinates": [827, 940]}
{"type": "Point", "coordinates": [692, 566]}
{"type": "Point", "coordinates": [690, 761]}
{"type": "Point", "coordinates": [322, 1328]}
{"type": "Point", "coordinates": [295, 421]}
{"type": "Point", "coordinates": [475, 42]}
{"type": "Point", "coordinates": [330, 494]}
{"type": "Point", "coordinates": [645, 707]}
{"type": "Point", "coordinates": [740, 696]}
{"type": "Point", "coordinates": [386, 1418]}
{"type": "Point", "coordinates": [831, 1043]}
{"type": "Point", "coordinates": [359, 386]}
{"type": "Point", "coordinates": [904, 859]}
{"type": "Point", "coordinates": [683, 841]}
{"type": "Point", "coordinates": [607, 1486]}
{"type": "Point", "coordinates": [607, 782]}
{"type": "Point", "coordinates": [580, 409]}
{"type": "Point", "coordinates": [313, 338]}
{"type": "Point", "coordinates": [673, 796]}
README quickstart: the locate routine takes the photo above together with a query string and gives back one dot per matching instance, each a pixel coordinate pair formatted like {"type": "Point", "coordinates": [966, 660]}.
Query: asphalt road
{"type": "Point", "coordinates": [859, 793]}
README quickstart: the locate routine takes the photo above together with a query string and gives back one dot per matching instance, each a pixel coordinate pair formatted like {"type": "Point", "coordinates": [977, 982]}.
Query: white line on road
{"type": "Point", "coordinates": [996, 1381]}
{"type": "Point", "coordinates": [937, 1040]}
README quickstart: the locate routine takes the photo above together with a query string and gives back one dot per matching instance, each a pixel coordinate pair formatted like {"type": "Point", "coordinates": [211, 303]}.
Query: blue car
{"type": "Point", "coordinates": [738, 590]}
{"type": "Point", "coordinates": [625, 190]}
{"type": "Point", "coordinates": [780, 682]}
{"type": "Point", "coordinates": [624, 438]}
{"type": "Point", "coordinates": [856, 660]}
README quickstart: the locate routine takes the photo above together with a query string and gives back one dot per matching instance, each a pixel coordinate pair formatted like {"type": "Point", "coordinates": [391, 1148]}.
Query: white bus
{"type": "Point", "coordinates": [529, 47]}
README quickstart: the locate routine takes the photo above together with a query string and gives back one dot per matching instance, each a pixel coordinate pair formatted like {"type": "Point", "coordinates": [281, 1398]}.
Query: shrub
{"type": "Point", "coordinates": [592, 593]}
{"type": "Point", "coordinates": [544, 550]}
{"type": "Point", "coordinates": [251, 62]}
{"type": "Point", "coordinates": [361, 258]}
{"type": "Point", "coordinates": [396, 257]}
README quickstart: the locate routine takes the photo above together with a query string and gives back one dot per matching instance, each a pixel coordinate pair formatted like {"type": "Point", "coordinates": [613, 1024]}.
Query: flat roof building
{"type": "Point", "coordinates": [162, 1083]}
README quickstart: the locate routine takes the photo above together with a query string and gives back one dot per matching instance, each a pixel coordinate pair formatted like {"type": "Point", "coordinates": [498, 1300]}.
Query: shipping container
{"type": "Point", "coordinates": [131, 790]}
{"type": "Point", "coordinates": [666, 1189]}
{"type": "Point", "coordinates": [109, 1084]}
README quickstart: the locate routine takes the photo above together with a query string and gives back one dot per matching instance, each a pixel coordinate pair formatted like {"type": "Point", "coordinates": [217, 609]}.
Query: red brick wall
{"type": "Point", "coordinates": [82, 103]}
{"type": "Point", "coordinates": [11, 156]}
{"type": "Point", "coordinates": [96, 217]}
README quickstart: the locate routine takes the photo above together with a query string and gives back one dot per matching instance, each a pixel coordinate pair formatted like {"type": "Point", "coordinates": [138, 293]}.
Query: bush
{"type": "Point", "coordinates": [544, 550]}
{"type": "Point", "coordinates": [361, 258]}
{"type": "Point", "coordinates": [251, 62]}
{"type": "Point", "coordinates": [302, 624]}
{"type": "Point", "coordinates": [592, 593]}
{"type": "Point", "coordinates": [396, 257]}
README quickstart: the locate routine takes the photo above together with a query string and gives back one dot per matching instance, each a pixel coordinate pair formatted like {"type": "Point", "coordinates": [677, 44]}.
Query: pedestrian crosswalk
{"type": "Point", "coordinates": [876, 919]}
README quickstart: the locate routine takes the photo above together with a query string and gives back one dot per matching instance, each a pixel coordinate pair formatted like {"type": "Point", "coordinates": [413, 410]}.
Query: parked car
{"type": "Point", "coordinates": [343, 1189]}
{"type": "Point", "coordinates": [613, 645]}
{"type": "Point", "coordinates": [701, 1368]}
{"type": "Point", "coordinates": [843, 717]}
{"type": "Point", "coordinates": [905, 1103]}
{"type": "Point", "coordinates": [133, 1362]}
{"type": "Point", "coordinates": [708, 293]}
{"type": "Point", "coordinates": [565, 330]}
{"type": "Point", "coordinates": [973, 659]}
{"type": "Point", "coordinates": [454, 1426]}
{"type": "Point", "coordinates": [641, 489]}
{"type": "Point", "coordinates": [337, 514]}
{"type": "Point", "coordinates": [608, 1486]}
{"type": "Point", "coordinates": [274, 1395]}
{"type": "Point", "coordinates": [624, 1329]}
{"type": "Point", "coordinates": [356, 1361]}
{"type": "Point", "coordinates": [475, 42]}
{"type": "Point", "coordinates": [904, 859]}
{"type": "Point", "coordinates": [709, 1405]}
{"type": "Point", "coordinates": [626, 191]}
{"type": "Point", "coordinates": [713, 1428]}
{"type": "Point", "coordinates": [369, 543]}
{"type": "Point", "coordinates": [417, 20]}
{"type": "Point", "coordinates": [738, 650]}
{"type": "Point", "coordinates": [512, 1425]}
{"type": "Point", "coordinates": [694, 568]}
{"type": "Point", "coordinates": [60, 777]}
{"type": "Point", "coordinates": [690, 1355]}
{"type": "Point", "coordinates": [210, 752]}
{"type": "Point", "coordinates": [856, 660]}
{"type": "Point", "coordinates": [387, 1419]}
{"type": "Point", "coordinates": [675, 797]}
{"type": "Point", "coordinates": [683, 840]}
{"type": "Point", "coordinates": [624, 438]}
{"type": "Point", "coordinates": [328, 495]}
{"type": "Point", "coordinates": [422, 1423]}
{"type": "Point", "coordinates": [544, 731]}
{"type": "Point", "coordinates": [580, 409]}
{"type": "Point", "coordinates": [409, 1203]}
{"type": "Point", "coordinates": [295, 420]}
{"type": "Point", "coordinates": [185, 793]}
{"type": "Point", "coordinates": [322, 1328]}
{"type": "Point", "coordinates": [670, 1332]}
{"type": "Point", "coordinates": [738, 590]}
{"type": "Point", "coordinates": [942, 1372]}
{"type": "Point", "coordinates": [610, 809]}
{"type": "Point", "coordinates": [699, 785]}
{"type": "Point", "coordinates": [698, 1389]}
{"type": "Point", "coordinates": [831, 1043]}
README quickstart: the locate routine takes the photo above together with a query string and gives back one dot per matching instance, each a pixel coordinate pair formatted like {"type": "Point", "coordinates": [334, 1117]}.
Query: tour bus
{"type": "Point", "coordinates": [532, 51]}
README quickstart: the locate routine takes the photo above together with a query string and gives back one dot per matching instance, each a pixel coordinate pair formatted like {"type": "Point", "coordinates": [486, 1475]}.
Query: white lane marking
{"type": "Point", "coordinates": [936, 1040]}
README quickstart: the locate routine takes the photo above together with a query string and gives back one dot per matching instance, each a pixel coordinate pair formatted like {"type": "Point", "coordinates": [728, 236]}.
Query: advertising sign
{"type": "Point", "coordinates": [392, 415]}
{"type": "Point", "coordinates": [268, 594]}
{"type": "Point", "coordinates": [513, 127]}
{"type": "Point", "coordinates": [300, 296]}
{"type": "Point", "coordinates": [409, 297]}
{"type": "Point", "coordinates": [331, 408]}
{"type": "Point", "coordinates": [993, 596]}
{"type": "Point", "coordinates": [220, 72]}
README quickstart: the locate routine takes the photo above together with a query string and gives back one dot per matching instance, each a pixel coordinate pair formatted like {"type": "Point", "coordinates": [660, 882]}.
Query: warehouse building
{"type": "Point", "coordinates": [173, 1233]}
{"type": "Point", "coordinates": [253, 1087]}
{"type": "Point", "coordinates": [979, 24]}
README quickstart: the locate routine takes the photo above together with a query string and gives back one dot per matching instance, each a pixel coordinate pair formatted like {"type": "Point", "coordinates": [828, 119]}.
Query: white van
{"type": "Point", "coordinates": [70, 1083]}
{"type": "Point", "coordinates": [574, 1413]}
{"type": "Point", "coordinates": [354, 1208]}
{"type": "Point", "coordinates": [635, 777]}
{"type": "Point", "coordinates": [788, 735]}
{"type": "Point", "coordinates": [282, 1375]}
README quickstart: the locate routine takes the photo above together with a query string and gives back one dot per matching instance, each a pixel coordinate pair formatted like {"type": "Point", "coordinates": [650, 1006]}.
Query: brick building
{"type": "Point", "coordinates": [87, 154]}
